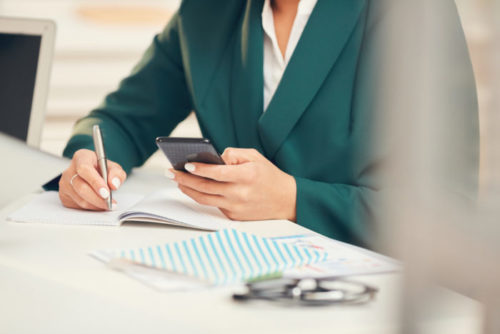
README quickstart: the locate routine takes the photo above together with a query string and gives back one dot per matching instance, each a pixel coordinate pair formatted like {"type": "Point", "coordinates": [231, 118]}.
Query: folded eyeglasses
{"type": "Point", "coordinates": [308, 291]}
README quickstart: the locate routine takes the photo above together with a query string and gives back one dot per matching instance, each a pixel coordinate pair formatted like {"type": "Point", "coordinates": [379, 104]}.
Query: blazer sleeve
{"type": "Point", "coordinates": [353, 212]}
{"type": "Point", "coordinates": [341, 211]}
{"type": "Point", "coordinates": [150, 102]}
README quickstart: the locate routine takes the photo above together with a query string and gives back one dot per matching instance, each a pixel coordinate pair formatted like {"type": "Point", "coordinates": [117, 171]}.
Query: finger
{"type": "Point", "coordinates": [200, 184]}
{"type": "Point", "coordinates": [68, 202]}
{"type": "Point", "coordinates": [236, 156]}
{"type": "Point", "coordinates": [204, 199]}
{"type": "Point", "coordinates": [230, 214]}
{"type": "Point", "coordinates": [79, 201]}
{"type": "Point", "coordinates": [223, 173]}
{"type": "Point", "coordinates": [90, 175]}
{"type": "Point", "coordinates": [116, 175]}
{"type": "Point", "coordinates": [85, 157]}
{"type": "Point", "coordinates": [64, 185]}
{"type": "Point", "coordinates": [85, 192]}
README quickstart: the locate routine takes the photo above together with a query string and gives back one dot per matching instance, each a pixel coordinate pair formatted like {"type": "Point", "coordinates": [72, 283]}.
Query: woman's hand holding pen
{"type": "Point", "coordinates": [82, 187]}
{"type": "Point", "coordinates": [248, 187]}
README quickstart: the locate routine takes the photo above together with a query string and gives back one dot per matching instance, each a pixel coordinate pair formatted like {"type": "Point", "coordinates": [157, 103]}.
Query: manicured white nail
{"type": "Point", "coordinates": [116, 182]}
{"type": "Point", "coordinates": [169, 174]}
{"type": "Point", "coordinates": [190, 167]}
{"type": "Point", "coordinates": [104, 193]}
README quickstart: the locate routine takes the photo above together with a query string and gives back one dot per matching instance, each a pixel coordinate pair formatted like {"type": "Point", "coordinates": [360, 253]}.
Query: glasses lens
{"type": "Point", "coordinates": [342, 285]}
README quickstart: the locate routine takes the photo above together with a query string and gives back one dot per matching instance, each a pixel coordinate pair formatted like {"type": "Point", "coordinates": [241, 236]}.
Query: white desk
{"type": "Point", "coordinates": [48, 284]}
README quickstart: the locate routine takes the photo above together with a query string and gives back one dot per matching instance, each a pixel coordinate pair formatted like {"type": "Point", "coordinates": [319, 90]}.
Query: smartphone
{"type": "Point", "coordinates": [180, 151]}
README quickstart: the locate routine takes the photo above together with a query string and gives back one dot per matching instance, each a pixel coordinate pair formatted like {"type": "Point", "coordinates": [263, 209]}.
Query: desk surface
{"type": "Point", "coordinates": [48, 284]}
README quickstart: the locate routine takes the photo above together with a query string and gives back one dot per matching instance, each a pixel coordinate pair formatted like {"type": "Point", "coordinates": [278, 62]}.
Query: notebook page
{"type": "Point", "coordinates": [46, 208]}
{"type": "Point", "coordinates": [171, 205]}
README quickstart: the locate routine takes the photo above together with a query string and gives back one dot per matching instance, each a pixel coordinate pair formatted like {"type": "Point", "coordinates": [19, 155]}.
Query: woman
{"type": "Point", "coordinates": [297, 142]}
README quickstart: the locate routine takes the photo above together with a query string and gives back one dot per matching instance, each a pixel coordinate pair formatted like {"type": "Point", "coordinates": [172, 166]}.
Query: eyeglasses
{"type": "Point", "coordinates": [308, 291]}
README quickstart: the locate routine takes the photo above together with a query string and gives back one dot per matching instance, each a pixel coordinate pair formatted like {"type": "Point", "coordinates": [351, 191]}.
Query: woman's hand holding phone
{"type": "Point", "coordinates": [248, 187]}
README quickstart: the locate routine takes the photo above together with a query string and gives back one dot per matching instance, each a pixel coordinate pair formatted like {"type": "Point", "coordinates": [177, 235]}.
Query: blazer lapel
{"type": "Point", "coordinates": [247, 76]}
{"type": "Point", "coordinates": [321, 43]}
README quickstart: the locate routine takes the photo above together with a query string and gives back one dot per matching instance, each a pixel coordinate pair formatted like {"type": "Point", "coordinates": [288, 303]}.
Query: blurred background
{"type": "Point", "coordinates": [97, 44]}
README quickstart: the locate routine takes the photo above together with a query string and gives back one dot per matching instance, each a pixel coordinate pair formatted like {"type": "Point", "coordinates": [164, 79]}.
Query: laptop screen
{"type": "Point", "coordinates": [18, 67]}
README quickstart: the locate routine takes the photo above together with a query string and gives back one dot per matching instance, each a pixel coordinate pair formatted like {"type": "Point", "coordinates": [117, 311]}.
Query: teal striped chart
{"type": "Point", "coordinates": [223, 257]}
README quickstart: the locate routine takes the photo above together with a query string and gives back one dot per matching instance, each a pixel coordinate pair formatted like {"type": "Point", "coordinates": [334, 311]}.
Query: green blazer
{"type": "Point", "coordinates": [317, 127]}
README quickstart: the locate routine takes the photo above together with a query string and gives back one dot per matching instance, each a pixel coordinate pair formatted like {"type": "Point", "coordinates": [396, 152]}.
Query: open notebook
{"type": "Point", "coordinates": [169, 207]}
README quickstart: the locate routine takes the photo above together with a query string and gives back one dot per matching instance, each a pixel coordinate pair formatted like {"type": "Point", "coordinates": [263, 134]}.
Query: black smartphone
{"type": "Point", "coordinates": [180, 151]}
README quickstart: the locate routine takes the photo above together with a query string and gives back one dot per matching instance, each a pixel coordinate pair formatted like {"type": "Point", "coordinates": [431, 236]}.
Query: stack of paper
{"type": "Point", "coordinates": [223, 257]}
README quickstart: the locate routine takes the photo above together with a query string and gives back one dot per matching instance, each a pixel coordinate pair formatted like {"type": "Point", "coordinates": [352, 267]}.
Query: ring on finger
{"type": "Point", "coordinates": [72, 179]}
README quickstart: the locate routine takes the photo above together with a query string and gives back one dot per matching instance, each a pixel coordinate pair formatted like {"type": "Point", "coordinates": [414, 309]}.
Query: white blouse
{"type": "Point", "coordinates": [274, 62]}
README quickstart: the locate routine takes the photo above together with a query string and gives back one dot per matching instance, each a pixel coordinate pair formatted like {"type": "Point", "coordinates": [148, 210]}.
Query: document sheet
{"type": "Point", "coordinates": [343, 259]}
{"type": "Point", "coordinates": [220, 258]}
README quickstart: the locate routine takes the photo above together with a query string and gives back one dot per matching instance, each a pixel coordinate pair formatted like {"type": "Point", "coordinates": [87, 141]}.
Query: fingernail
{"type": "Point", "coordinates": [169, 174]}
{"type": "Point", "coordinates": [116, 182]}
{"type": "Point", "coordinates": [104, 193]}
{"type": "Point", "coordinates": [190, 167]}
{"type": "Point", "coordinates": [113, 206]}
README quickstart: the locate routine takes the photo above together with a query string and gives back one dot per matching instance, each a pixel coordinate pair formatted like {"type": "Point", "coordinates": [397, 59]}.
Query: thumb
{"type": "Point", "coordinates": [238, 156]}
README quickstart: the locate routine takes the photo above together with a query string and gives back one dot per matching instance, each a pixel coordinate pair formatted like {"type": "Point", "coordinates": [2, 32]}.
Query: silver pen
{"type": "Point", "coordinates": [101, 159]}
